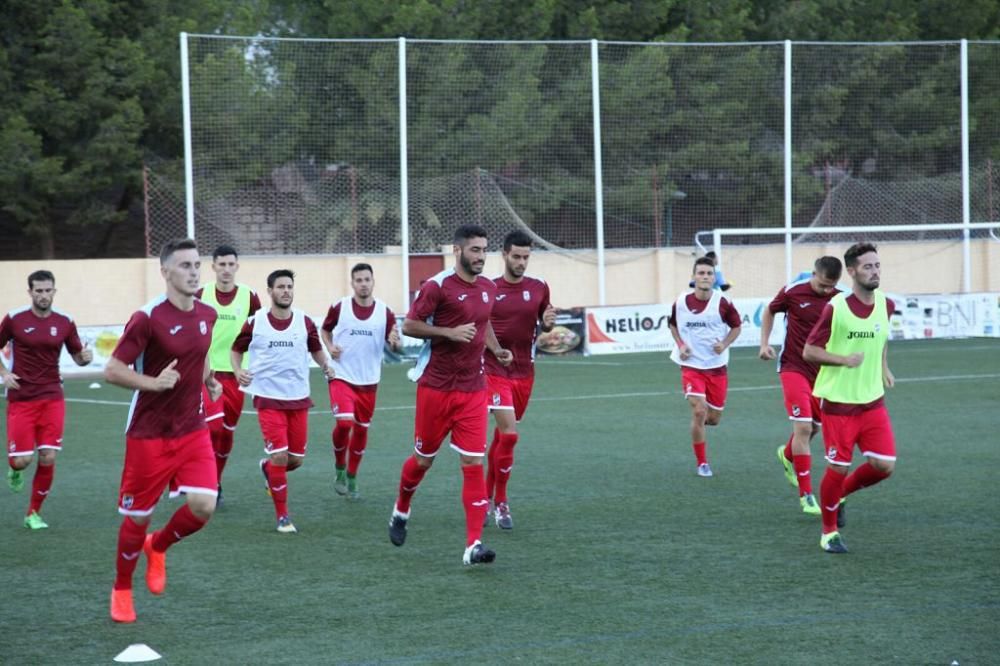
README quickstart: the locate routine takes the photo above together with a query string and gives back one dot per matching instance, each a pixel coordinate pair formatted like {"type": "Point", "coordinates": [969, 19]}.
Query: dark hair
{"type": "Point", "coordinates": [710, 254]}
{"type": "Point", "coordinates": [224, 251]}
{"type": "Point", "coordinates": [467, 231]}
{"type": "Point", "coordinates": [280, 273]}
{"type": "Point", "coordinates": [174, 245]}
{"type": "Point", "coordinates": [855, 251]}
{"type": "Point", "coordinates": [828, 267]}
{"type": "Point", "coordinates": [362, 267]}
{"type": "Point", "coordinates": [518, 238]}
{"type": "Point", "coordinates": [703, 261]}
{"type": "Point", "coordinates": [41, 276]}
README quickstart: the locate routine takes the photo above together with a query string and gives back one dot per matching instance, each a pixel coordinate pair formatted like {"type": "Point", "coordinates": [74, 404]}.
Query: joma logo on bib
{"type": "Point", "coordinates": [854, 335]}
{"type": "Point", "coordinates": [280, 343]}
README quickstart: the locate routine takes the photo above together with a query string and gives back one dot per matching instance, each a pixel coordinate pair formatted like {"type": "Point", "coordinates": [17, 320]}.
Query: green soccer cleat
{"type": "Point", "coordinates": [810, 505]}
{"type": "Point", "coordinates": [340, 482]}
{"type": "Point", "coordinates": [15, 479]}
{"type": "Point", "coordinates": [833, 543]}
{"type": "Point", "coordinates": [789, 467]}
{"type": "Point", "coordinates": [34, 522]}
{"type": "Point", "coordinates": [352, 488]}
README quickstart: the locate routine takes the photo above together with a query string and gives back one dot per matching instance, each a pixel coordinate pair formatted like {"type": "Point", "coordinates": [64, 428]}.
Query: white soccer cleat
{"type": "Point", "coordinates": [704, 470]}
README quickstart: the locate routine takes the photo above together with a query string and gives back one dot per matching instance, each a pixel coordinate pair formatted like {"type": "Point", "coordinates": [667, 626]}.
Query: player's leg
{"type": "Point", "coordinates": [342, 399]}
{"type": "Point", "coordinates": [49, 421]}
{"type": "Point", "coordinates": [839, 434]}
{"type": "Point", "coordinates": [274, 428]}
{"type": "Point", "coordinates": [223, 437]}
{"type": "Point", "coordinates": [298, 433]}
{"type": "Point", "coordinates": [430, 426]}
{"type": "Point", "coordinates": [878, 445]}
{"type": "Point", "coordinates": [468, 438]}
{"type": "Point", "coordinates": [21, 418]}
{"type": "Point", "coordinates": [693, 384]}
{"type": "Point", "coordinates": [364, 409]}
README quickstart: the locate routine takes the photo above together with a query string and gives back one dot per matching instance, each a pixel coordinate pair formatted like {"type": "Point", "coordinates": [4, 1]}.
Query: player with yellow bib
{"type": "Point", "coordinates": [849, 344]}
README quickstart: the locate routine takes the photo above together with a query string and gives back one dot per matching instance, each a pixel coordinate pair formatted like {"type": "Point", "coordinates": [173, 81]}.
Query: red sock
{"type": "Point", "coordinates": [699, 452]}
{"type": "Point", "coordinates": [341, 439]}
{"type": "Point", "coordinates": [789, 454]}
{"type": "Point", "coordinates": [830, 492]}
{"type": "Point", "coordinates": [359, 441]}
{"type": "Point", "coordinates": [131, 536]}
{"type": "Point", "coordinates": [40, 485]}
{"type": "Point", "coordinates": [475, 502]}
{"type": "Point", "coordinates": [222, 444]}
{"type": "Point", "coordinates": [277, 476]}
{"type": "Point", "coordinates": [409, 479]}
{"type": "Point", "coordinates": [491, 463]}
{"type": "Point", "coordinates": [183, 523]}
{"type": "Point", "coordinates": [504, 463]}
{"type": "Point", "coordinates": [862, 477]}
{"type": "Point", "coordinates": [803, 465]}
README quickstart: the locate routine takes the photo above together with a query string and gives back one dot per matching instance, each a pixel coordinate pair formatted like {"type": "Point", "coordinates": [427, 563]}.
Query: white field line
{"type": "Point", "coordinates": [609, 396]}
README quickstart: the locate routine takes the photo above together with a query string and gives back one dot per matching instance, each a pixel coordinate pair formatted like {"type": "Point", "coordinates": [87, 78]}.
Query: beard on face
{"type": "Point", "coordinates": [468, 265]}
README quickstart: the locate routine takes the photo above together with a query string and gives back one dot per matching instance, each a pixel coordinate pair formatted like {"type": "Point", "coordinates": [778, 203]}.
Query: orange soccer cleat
{"type": "Point", "coordinates": [156, 567]}
{"type": "Point", "coordinates": [122, 609]}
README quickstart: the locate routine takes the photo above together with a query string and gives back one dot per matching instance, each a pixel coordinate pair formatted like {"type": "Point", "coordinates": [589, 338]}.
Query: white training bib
{"type": "Point", "coordinates": [362, 341]}
{"type": "Point", "coordinates": [279, 360]}
{"type": "Point", "coordinates": [700, 331]}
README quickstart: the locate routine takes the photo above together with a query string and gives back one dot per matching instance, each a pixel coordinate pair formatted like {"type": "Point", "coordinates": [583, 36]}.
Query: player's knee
{"type": "Point", "coordinates": [424, 461]}
{"type": "Point", "coordinates": [713, 417]}
{"type": "Point", "coordinates": [467, 461]}
{"type": "Point", "coordinates": [280, 458]}
{"type": "Point", "coordinates": [201, 505]}
{"type": "Point", "coordinates": [884, 466]}
{"type": "Point", "coordinates": [700, 413]}
{"type": "Point", "coordinates": [20, 462]}
{"type": "Point", "coordinates": [46, 457]}
{"type": "Point", "coordinates": [294, 462]}
{"type": "Point", "coordinates": [344, 425]}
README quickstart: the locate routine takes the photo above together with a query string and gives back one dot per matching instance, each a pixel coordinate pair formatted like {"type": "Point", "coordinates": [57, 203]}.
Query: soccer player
{"type": "Point", "coordinates": [280, 341]}
{"type": "Point", "coordinates": [704, 324]}
{"type": "Point", "coordinates": [234, 303]}
{"type": "Point", "coordinates": [166, 436]}
{"type": "Point", "coordinates": [849, 343]}
{"type": "Point", "coordinates": [35, 406]}
{"type": "Point", "coordinates": [355, 330]}
{"type": "Point", "coordinates": [802, 302]}
{"type": "Point", "coordinates": [452, 312]}
{"type": "Point", "coordinates": [522, 302]}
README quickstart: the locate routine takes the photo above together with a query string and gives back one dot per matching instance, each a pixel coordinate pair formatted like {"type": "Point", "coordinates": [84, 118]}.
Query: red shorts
{"type": "Point", "coordinates": [870, 430]}
{"type": "Point", "coordinates": [507, 393]}
{"type": "Point", "coordinates": [347, 402]}
{"type": "Point", "coordinates": [34, 424]}
{"type": "Point", "coordinates": [225, 412]}
{"type": "Point", "coordinates": [284, 430]}
{"type": "Point", "coordinates": [711, 387]}
{"type": "Point", "coordinates": [462, 413]}
{"type": "Point", "coordinates": [150, 464]}
{"type": "Point", "coordinates": [800, 403]}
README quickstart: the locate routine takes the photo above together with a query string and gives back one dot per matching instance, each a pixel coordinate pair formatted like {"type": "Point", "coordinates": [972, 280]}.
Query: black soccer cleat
{"type": "Point", "coordinates": [477, 553]}
{"type": "Point", "coordinates": [397, 529]}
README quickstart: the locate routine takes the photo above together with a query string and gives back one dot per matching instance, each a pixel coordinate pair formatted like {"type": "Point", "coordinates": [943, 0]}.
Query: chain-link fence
{"type": "Point", "coordinates": [295, 144]}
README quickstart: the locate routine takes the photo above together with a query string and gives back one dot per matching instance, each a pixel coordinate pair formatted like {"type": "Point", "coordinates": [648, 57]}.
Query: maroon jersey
{"type": "Point", "coordinates": [727, 310]}
{"type": "Point", "coordinates": [362, 312]}
{"type": "Point", "coordinates": [313, 344]}
{"type": "Point", "coordinates": [802, 307]}
{"type": "Point", "coordinates": [36, 343]}
{"type": "Point", "coordinates": [516, 313]}
{"type": "Point", "coordinates": [154, 336]}
{"type": "Point", "coordinates": [447, 300]}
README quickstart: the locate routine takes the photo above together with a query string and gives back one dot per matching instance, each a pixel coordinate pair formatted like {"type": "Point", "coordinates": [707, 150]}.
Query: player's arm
{"type": "Point", "coordinates": [326, 331]}
{"type": "Point", "coordinates": [78, 351]}
{"type": "Point", "coordinates": [766, 352]}
{"type": "Point", "coordinates": [505, 356]}
{"type": "Point", "coordinates": [815, 351]}
{"type": "Point", "coordinates": [6, 335]}
{"type": "Point", "coordinates": [323, 361]}
{"type": "Point", "coordinates": [682, 347]}
{"type": "Point", "coordinates": [888, 379]}
{"type": "Point", "coordinates": [240, 346]}
{"type": "Point", "coordinates": [9, 379]}
{"type": "Point", "coordinates": [120, 374]}
{"type": "Point", "coordinates": [730, 338]}
{"type": "Point", "coordinates": [421, 329]}
{"type": "Point", "coordinates": [211, 383]}
{"type": "Point", "coordinates": [392, 332]}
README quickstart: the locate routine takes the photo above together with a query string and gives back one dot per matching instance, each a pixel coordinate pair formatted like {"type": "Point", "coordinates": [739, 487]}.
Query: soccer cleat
{"type": "Point", "coordinates": [501, 513]}
{"type": "Point", "coordinates": [156, 567]}
{"type": "Point", "coordinates": [15, 479]}
{"type": "Point", "coordinates": [809, 505]}
{"type": "Point", "coordinates": [219, 501]}
{"type": "Point", "coordinates": [477, 553]}
{"type": "Point", "coordinates": [833, 543]}
{"type": "Point", "coordinates": [397, 527]}
{"type": "Point", "coordinates": [340, 482]}
{"type": "Point", "coordinates": [789, 467]}
{"type": "Point", "coordinates": [122, 608]}
{"type": "Point", "coordinates": [285, 526]}
{"type": "Point", "coordinates": [704, 470]}
{"type": "Point", "coordinates": [34, 521]}
{"type": "Point", "coordinates": [841, 514]}
{"type": "Point", "coordinates": [267, 481]}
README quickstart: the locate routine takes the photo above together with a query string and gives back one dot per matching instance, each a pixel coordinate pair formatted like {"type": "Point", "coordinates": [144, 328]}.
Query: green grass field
{"type": "Point", "coordinates": [619, 553]}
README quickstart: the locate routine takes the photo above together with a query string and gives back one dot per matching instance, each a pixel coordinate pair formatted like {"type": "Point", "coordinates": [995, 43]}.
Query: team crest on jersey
{"type": "Point", "coordinates": [831, 453]}
{"type": "Point", "coordinates": [418, 444]}
{"type": "Point", "coordinates": [795, 410]}
{"type": "Point", "coordinates": [53, 331]}
{"type": "Point", "coordinates": [203, 327]}
{"type": "Point", "coordinates": [486, 297]}
{"type": "Point", "coordinates": [127, 501]}
{"type": "Point", "coordinates": [526, 294]}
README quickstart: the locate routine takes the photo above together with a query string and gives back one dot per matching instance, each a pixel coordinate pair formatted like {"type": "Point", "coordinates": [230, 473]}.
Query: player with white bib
{"type": "Point", "coordinates": [704, 324]}
{"type": "Point", "coordinates": [280, 342]}
{"type": "Point", "coordinates": [355, 331]}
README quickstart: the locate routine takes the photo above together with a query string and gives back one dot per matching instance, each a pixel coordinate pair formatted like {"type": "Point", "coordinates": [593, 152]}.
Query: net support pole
{"type": "Point", "coordinates": [595, 84]}
{"type": "Point", "coordinates": [188, 158]}
{"type": "Point", "coordinates": [788, 161]}
{"type": "Point", "coordinates": [404, 183]}
{"type": "Point", "coordinates": [966, 213]}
